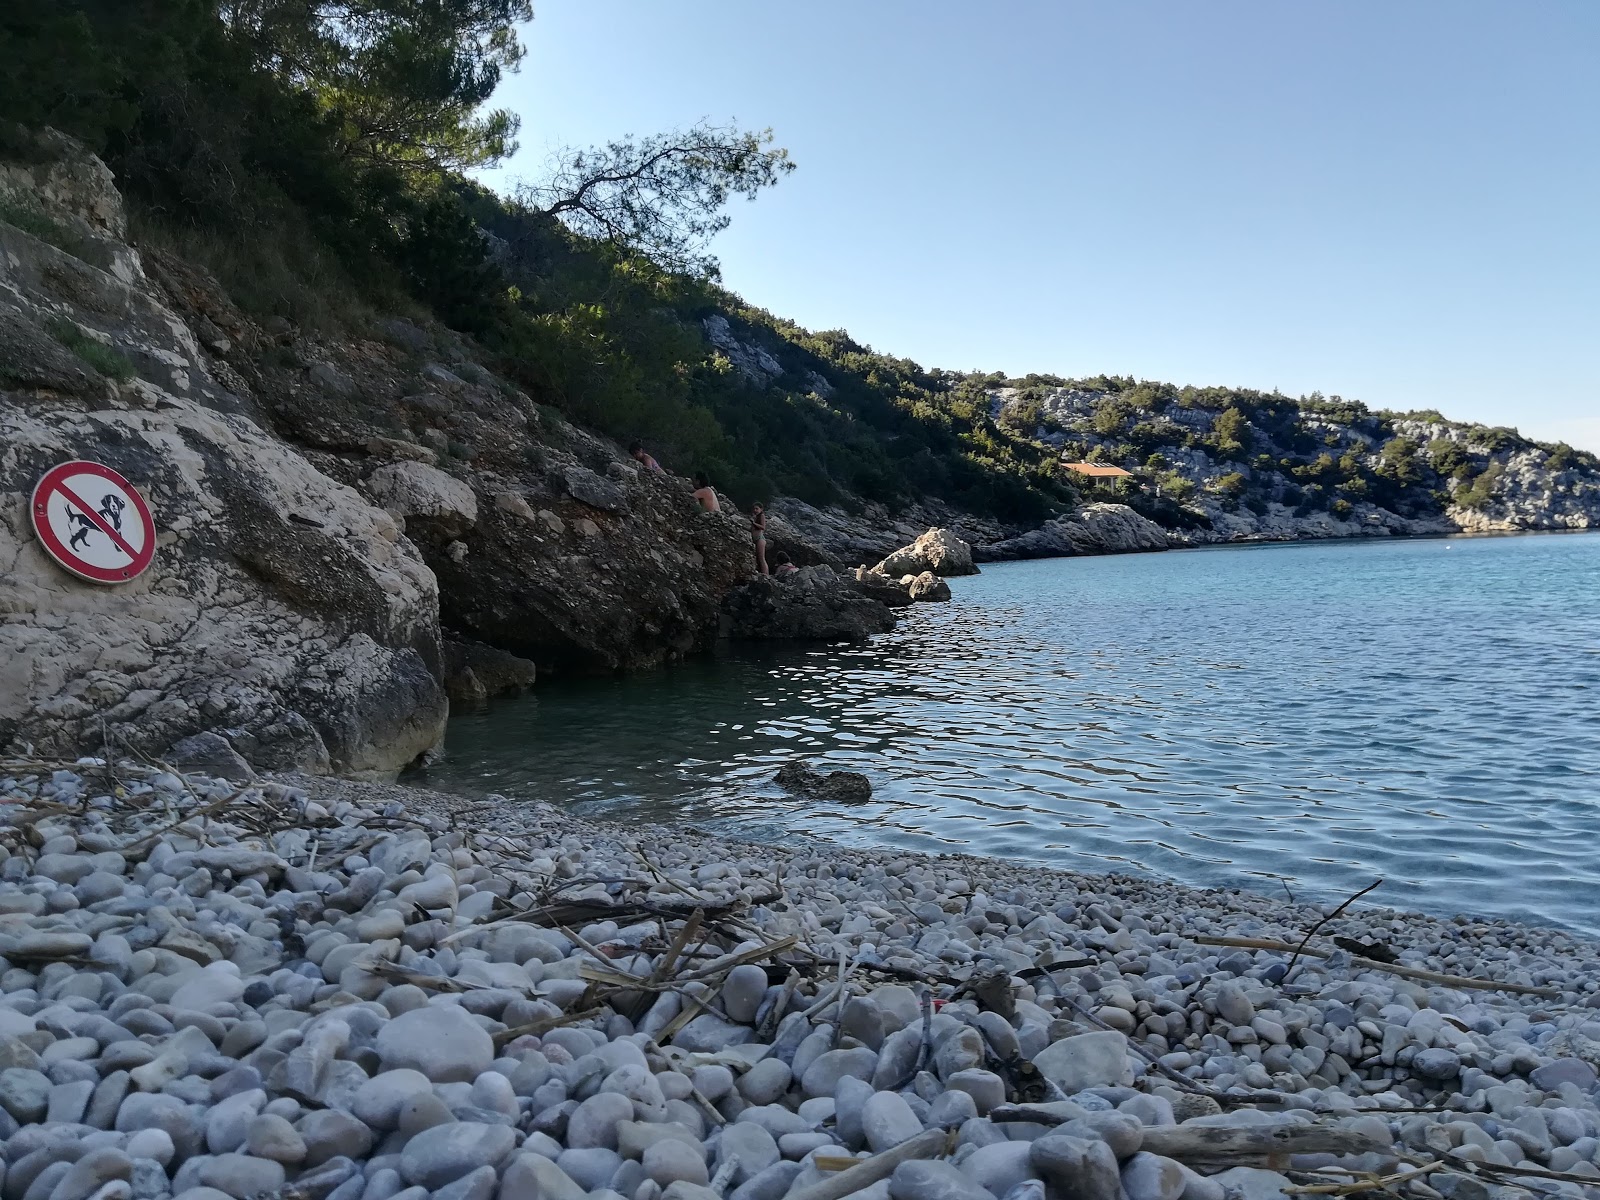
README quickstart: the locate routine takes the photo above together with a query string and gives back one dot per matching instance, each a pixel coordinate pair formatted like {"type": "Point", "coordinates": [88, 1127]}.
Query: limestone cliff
{"type": "Point", "coordinates": [282, 608]}
{"type": "Point", "coordinates": [322, 505]}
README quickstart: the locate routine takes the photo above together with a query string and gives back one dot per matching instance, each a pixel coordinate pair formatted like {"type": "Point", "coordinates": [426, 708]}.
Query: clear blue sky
{"type": "Point", "coordinates": [1395, 202]}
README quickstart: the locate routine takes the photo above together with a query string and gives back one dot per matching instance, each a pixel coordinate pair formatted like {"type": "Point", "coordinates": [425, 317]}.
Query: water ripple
{"type": "Point", "coordinates": [1317, 715]}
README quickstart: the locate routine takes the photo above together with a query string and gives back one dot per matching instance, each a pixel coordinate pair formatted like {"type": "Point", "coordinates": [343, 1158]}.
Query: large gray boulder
{"type": "Point", "coordinates": [811, 604]}
{"type": "Point", "coordinates": [938, 550]}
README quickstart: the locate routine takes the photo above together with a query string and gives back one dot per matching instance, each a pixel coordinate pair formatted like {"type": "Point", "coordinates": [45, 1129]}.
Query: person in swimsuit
{"type": "Point", "coordinates": [758, 531]}
{"type": "Point", "coordinates": [781, 564]}
{"type": "Point", "coordinates": [705, 493]}
{"type": "Point", "coordinates": [637, 452]}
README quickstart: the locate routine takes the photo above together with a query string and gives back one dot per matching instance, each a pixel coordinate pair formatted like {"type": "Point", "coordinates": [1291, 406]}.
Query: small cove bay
{"type": "Point", "coordinates": [1309, 717]}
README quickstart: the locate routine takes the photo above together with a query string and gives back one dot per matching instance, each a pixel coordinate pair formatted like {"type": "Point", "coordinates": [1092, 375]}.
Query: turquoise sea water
{"type": "Point", "coordinates": [1307, 716]}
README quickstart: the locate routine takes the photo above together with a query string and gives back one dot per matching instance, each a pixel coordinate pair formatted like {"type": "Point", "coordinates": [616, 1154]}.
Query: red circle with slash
{"type": "Point", "coordinates": [93, 522]}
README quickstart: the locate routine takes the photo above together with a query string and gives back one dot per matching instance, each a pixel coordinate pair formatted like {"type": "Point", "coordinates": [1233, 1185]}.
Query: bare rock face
{"type": "Point", "coordinates": [577, 587]}
{"type": "Point", "coordinates": [812, 604]}
{"type": "Point", "coordinates": [417, 492]}
{"type": "Point", "coordinates": [1092, 529]}
{"type": "Point", "coordinates": [283, 613]}
{"type": "Point", "coordinates": [938, 550]}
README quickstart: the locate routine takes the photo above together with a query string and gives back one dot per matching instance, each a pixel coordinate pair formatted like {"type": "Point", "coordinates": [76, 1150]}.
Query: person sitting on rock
{"type": "Point", "coordinates": [781, 565]}
{"type": "Point", "coordinates": [758, 532]}
{"type": "Point", "coordinates": [705, 493]}
{"type": "Point", "coordinates": [638, 454]}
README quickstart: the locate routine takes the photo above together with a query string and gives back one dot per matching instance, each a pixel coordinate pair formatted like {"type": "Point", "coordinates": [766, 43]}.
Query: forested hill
{"type": "Point", "coordinates": [315, 158]}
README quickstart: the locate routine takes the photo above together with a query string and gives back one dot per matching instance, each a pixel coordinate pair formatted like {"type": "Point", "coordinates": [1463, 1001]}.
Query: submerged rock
{"type": "Point", "coordinates": [797, 776]}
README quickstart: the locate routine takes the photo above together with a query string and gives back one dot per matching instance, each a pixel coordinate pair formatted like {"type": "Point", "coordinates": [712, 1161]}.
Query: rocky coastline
{"type": "Point", "coordinates": [315, 988]}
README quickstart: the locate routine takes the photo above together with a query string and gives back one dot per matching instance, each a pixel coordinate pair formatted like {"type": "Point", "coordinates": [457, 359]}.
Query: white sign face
{"type": "Point", "coordinates": [93, 522]}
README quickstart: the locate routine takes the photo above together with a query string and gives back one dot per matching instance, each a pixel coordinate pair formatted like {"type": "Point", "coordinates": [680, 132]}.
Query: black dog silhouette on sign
{"type": "Point", "coordinates": [110, 510]}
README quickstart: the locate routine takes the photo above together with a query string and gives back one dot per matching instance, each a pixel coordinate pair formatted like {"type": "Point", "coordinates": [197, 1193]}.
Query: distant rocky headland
{"type": "Point", "coordinates": [356, 528]}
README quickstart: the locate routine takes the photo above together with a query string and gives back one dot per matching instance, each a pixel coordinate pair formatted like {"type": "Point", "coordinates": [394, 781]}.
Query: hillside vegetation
{"type": "Point", "coordinates": [315, 158]}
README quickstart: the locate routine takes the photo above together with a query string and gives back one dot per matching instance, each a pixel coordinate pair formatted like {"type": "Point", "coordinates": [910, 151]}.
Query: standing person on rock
{"type": "Point", "coordinates": [705, 493]}
{"type": "Point", "coordinates": [758, 533]}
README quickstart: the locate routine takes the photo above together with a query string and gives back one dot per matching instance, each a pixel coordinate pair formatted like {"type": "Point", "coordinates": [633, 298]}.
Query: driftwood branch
{"type": "Point", "coordinates": [1233, 1145]}
{"type": "Point", "coordinates": [869, 1170]}
{"type": "Point", "coordinates": [1312, 932]}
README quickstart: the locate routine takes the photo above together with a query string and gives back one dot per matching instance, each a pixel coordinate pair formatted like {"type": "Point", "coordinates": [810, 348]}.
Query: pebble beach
{"type": "Point", "coordinates": [312, 988]}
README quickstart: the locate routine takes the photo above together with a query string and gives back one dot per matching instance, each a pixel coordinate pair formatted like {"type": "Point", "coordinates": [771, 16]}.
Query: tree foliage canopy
{"type": "Point", "coordinates": [661, 196]}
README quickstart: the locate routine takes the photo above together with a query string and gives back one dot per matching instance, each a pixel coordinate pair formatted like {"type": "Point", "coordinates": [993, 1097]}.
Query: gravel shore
{"type": "Point", "coordinates": [314, 988]}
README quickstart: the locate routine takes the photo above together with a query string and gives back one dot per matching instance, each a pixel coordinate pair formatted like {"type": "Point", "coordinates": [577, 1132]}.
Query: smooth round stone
{"type": "Point", "coordinates": [1148, 1176]}
{"type": "Point", "coordinates": [594, 1122]}
{"type": "Point", "coordinates": [1552, 1075]}
{"type": "Point", "coordinates": [1087, 1169]}
{"type": "Point", "coordinates": [330, 1133]}
{"type": "Point", "coordinates": [986, 1088]}
{"type": "Point", "coordinates": [669, 1160]}
{"type": "Point", "coordinates": [242, 1176]}
{"type": "Point", "coordinates": [379, 1101]}
{"type": "Point", "coordinates": [271, 1137]}
{"type": "Point", "coordinates": [443, 1041]}
{"type": "Point", "coordinates": [1233, 1006]}
{"type": "Point", "coordinates": [1121, 1131]}
{"type": "Point", "coordinates": [538, 1177]}
{"type": "Point", "coordinates": [766, 1082]}
{"type": "Point", "coordinates": [823, 1075]}
{"type": "Point", "coordinates": [887, 1120]}
{"type": "Point", "coordinates": [445, 1153]}
{"type": "Point", "coordinates": [951, 1110]}
{"type": "Point", "coordinates": [228, 1122]}
{"type": "Point", "coordinates": [153, 1144]}
{"type": "Point", "coordinates": [1437, 1064]}
{"type": "Point", "coordinates": [217, 984]}
{"type": "Point", "coordinates": [999, 1167]}
{"type": "Point", "coordinates": [637, 1084]}
{"type": "Point", "coordinates": [591, 1167]}
{"type": "Point", "coordinates": [742, 993]}
{"type": "Point", "coordinates": [25, 1094]}
{"type": "Point", "coordinates": [92, 1172]}
{"type": "Point", "coordinates": [863, 1020]}
{"type": "Point", "coordinates": [924, 1180]}
{"type": "Point", "coordinates": [755, 1148]}
{"type": "Point", "coordinates": [795, 1146]}
{"type": "Point", "coordinates": [714, 1081]}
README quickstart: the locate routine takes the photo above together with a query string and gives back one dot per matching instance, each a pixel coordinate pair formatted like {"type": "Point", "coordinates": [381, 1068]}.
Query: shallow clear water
{"type": "Point", "coordinates": [1319, 715]}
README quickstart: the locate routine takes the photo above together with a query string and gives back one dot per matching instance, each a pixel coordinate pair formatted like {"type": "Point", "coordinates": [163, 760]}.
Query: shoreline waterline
{"type": "Point", "coordinates": [1219, 720]}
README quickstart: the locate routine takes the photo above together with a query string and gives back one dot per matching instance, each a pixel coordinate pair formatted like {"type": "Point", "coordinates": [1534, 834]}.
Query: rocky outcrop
{"type": "Point", "coordinates": [870, 534]}
{"type": "Point", "coordinates": [283, 613]}
{"type": "Point", "coordinates": [811, 604]}
{"type": "Point", "coordinates": [1091, 529]}
{"type": "Point", "coordinates": [1279, 523]}
{"type": "Point", "coordinates": [1528, 493]}
{"type": "Point", "coordinates": [938, 550]}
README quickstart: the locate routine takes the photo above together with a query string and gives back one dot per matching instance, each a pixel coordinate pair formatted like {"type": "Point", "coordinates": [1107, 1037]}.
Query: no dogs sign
{"type": "Point", "coordinates": [93, 522]}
